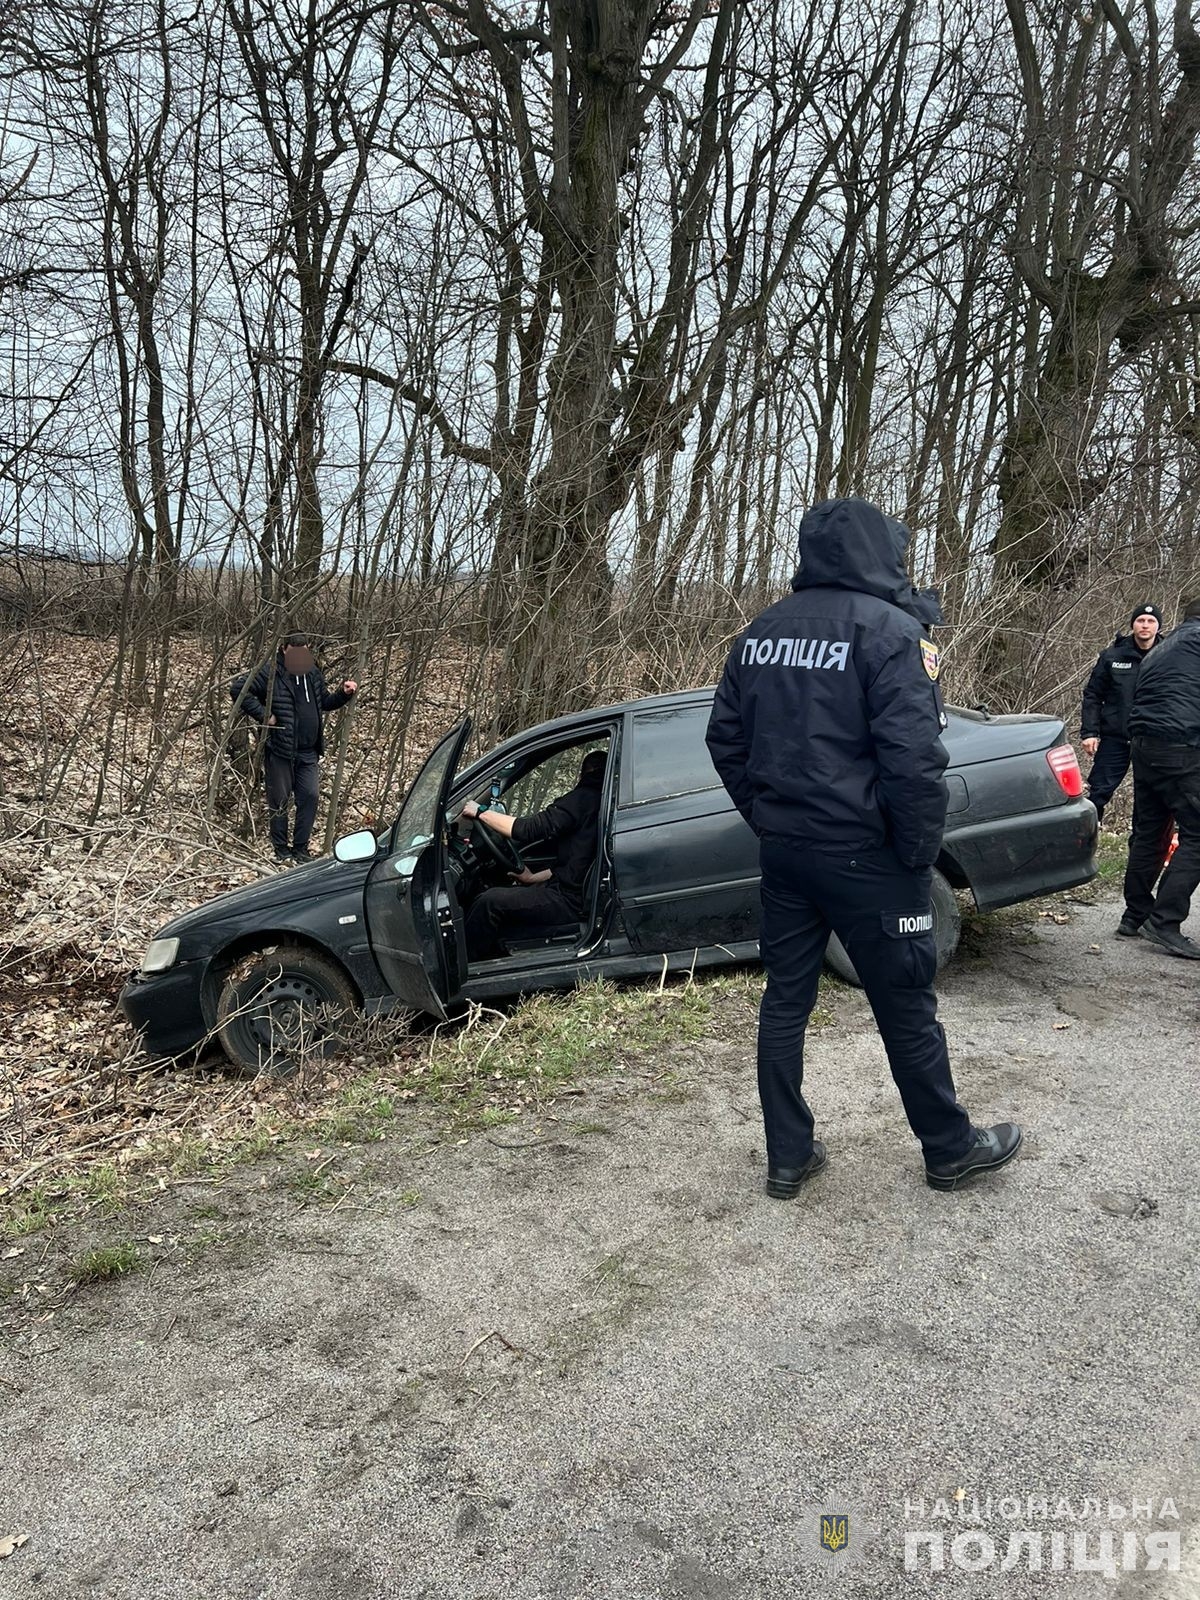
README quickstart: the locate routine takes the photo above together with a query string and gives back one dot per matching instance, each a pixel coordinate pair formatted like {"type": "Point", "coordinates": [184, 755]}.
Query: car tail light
{"type": "Point", "coordinates": [1065, 767]}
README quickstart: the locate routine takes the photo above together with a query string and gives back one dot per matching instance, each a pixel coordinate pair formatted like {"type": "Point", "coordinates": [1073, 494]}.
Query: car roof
{"type": "Point", "coordinates": [650, 703]}
{"type": "Point", "coordinates": [653, 702]}
{"type": "Point", "coordinates": [573, 719]}
{"type": "Point", "coordinates": [647, 703]}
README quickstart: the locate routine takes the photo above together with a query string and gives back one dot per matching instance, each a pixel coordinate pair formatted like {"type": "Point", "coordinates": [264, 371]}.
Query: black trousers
{"type": "Point", "coordinates": [1166, 795]}
{"type": "Point", "coordinates": [880, 910]}
{"type": "Point", "coordinates": [1108, 771]}
{"type": "Point", "coordinates": [285, 778]}
{"type": "Point", "coordinates": [524, 909]}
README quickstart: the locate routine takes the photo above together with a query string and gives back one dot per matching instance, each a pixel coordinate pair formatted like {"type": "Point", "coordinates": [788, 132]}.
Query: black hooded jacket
{"type": "Point", "coordinates": [297, 704]}
{"type": "Point", "coordinates": [570, 824]}
{"type": "Point", "coordinates": [1108, 693]}
{"type": "Point", "coordinates": [826, 725]}
{"type": "Point", "coordinates": [1166, 698]}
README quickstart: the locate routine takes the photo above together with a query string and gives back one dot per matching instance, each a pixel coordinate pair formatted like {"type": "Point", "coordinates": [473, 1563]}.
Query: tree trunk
{"type": "Point", "coordinates": [1046, 480]}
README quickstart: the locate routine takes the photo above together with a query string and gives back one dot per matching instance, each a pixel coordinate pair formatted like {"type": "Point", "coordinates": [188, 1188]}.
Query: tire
{"type": "Point", "coordinates": [947, 925]}
{"type": "Point", "coordinates": [280, 1004]}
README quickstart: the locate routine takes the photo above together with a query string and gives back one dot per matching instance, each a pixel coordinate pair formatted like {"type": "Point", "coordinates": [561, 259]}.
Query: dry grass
{"type": "Point", "coordinates": [130, 1129]}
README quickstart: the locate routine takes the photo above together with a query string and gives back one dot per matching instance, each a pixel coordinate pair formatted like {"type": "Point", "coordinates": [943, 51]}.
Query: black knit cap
{"type": "Point", "coordinates": [1146, 611]}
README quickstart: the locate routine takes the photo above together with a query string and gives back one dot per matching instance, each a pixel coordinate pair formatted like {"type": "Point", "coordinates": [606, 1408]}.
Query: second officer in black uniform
{"type": "Point", "coordinates": [826, 733]}
{"type": "Point", "coordinates": [1107, 699]}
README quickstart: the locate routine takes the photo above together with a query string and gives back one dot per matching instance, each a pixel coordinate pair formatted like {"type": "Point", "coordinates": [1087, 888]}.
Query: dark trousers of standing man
{"type": "Point", "coordinates": [1166, 795]}
{"type": "Point", "coordinates": [1108, 771]}
{"type": "Point", "coordinates": [881, 912]}
{"type": "Point", "coordinates": [288, 776]}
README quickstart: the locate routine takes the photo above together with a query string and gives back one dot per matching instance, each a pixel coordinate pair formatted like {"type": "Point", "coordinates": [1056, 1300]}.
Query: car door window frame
{"type": "Point", "coordinates": [466, 785]}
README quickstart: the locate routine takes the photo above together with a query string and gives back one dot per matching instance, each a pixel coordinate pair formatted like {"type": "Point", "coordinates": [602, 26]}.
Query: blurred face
{"type": "Point", "coordinates": [298, 658]}
{"type": "Point", "coordinates": [1145, 630]}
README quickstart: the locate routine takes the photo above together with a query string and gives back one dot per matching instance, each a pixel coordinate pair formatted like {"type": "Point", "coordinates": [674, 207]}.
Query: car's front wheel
{"type": "Point", "coordinates": [278, 1007]}
{"type": "Point", "coordinates": [947, 925]}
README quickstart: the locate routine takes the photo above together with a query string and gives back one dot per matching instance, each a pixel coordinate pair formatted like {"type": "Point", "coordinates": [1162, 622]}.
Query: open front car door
{"type": "Point", "coordinates": [413, 919]}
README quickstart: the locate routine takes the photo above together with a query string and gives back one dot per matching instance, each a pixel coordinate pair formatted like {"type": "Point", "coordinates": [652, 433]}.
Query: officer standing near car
{"type": "Point", "coordinates": [826, 733]}
{"type": "Point", "coordinates": [1164, 726]}
{"type": "Point", "coordinates": [1107, 698]}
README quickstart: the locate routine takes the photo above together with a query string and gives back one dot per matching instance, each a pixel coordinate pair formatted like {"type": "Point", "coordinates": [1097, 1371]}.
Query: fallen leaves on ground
{"type": "Point", "coordinates": [88, 875]}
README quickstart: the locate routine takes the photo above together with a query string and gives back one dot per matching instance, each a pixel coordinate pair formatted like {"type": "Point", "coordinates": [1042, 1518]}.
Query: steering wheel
{"type": "Point", "coordinates": [496, 845]}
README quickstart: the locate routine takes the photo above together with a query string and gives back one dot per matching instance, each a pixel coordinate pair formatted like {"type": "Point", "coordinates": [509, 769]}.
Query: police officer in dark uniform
{"type": "Point", "coordinates": [1164, 726]}
{"type": "Point", "coordinates": [1107, 698]}
{"type": "Point", "coordinates": [826, 733]}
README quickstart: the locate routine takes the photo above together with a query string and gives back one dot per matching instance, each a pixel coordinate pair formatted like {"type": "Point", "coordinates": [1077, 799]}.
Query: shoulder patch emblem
{"type": "Point", "coordinates": [929, 659]}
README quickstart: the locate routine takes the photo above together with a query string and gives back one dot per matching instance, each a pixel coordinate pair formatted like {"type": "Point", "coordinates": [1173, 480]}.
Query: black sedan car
{"type": "Point", "coordinates": [674, 884]}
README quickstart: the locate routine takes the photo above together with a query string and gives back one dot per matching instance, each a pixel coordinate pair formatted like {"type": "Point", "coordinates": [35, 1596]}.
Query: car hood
{"type": "Point", "coordinates": [284, 889]}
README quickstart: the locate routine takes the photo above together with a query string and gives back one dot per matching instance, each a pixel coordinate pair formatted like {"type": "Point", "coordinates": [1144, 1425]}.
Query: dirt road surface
{"type": "Point", "coordinates": [602, 1363]}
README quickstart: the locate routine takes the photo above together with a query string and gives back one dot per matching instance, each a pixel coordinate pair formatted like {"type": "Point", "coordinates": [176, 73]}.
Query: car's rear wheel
{"type": "Point", "coordinates": [281, 1006]}
{"type": "Point", "coordinates": [947, 925]}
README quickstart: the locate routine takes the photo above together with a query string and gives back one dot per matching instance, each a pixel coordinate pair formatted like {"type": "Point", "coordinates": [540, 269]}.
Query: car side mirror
{"type": "Point", "coordinates": [360, 846]}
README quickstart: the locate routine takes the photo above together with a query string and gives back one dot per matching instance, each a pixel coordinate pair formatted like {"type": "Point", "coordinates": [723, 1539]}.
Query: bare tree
{"type": "Point", "coordinates": [319, 80]}
{"type": "Point", "coordinates": [619, 286]}
{"type": "Point", "coordinates": [504, 342]}
{"type": "Point", "coordinates": [1106, 208]}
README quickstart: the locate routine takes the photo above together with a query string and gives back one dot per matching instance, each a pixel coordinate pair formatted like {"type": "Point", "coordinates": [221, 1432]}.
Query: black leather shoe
{"type": "Point", "coordinates": [1127, 928]}
{"type": "Point", "coordinates": [1172, 941]}
{"type": "Point", "coordinates": [785, 1183]}
{"type": "Point", "coordinates": [992, 1147]}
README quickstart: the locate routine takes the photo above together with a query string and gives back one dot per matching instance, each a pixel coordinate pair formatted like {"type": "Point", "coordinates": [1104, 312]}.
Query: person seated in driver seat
{"type": "Point", "coordinates": [546, 899]}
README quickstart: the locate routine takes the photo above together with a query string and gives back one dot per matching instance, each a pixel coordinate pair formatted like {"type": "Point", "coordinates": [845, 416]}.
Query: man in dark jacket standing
{"type": "Point", "coordinates": [289, 698]}
{"type": "Point", "coordinates": [1107, 698]}
{"type": "Point", "coordinates": [826, 733]}
{"type": "Point", "coordinates": [1164, 727]}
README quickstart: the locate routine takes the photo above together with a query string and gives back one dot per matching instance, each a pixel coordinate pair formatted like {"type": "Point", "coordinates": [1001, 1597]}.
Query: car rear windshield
{"type": "Point", "coordinates": [669, 753]}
